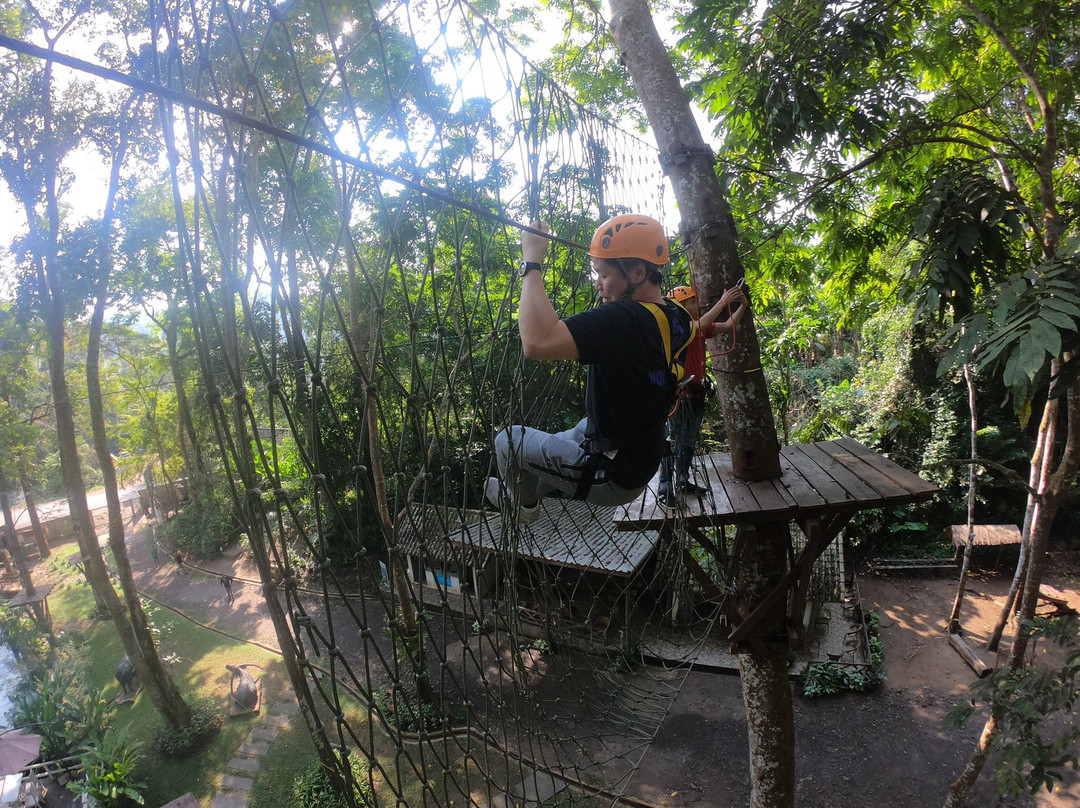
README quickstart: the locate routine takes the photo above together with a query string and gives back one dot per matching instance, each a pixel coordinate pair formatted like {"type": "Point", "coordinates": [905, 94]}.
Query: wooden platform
{"type": "Point", "coordinates": [986, 535]}
{"type": "Point", "coordinates": [822, 485]}
{"type": "Point", "coordinates": [819, 480]}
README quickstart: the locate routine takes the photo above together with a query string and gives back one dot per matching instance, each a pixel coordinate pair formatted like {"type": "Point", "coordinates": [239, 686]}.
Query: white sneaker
{"type": "Point", "coordinates": [521, 514]}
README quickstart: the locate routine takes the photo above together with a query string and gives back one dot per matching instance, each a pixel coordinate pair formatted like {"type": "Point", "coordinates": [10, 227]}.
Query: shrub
{"type": "Point", "coordinates": [109, 772]}
{"type": "Point", "coordinates": [1032, 750]}
{"type": "Point", "coordinates": [22, 635]}
{"type": "Point", "coordinates": [57, 703]}
{"type": "Point", "coordinates": [313, 790]}
{"type": "Point", "coordinates": [827, 678]}
{"type": "Point", "coordinates": [203, 527]}
{"type": "Point", "coordinates": [205, 723]}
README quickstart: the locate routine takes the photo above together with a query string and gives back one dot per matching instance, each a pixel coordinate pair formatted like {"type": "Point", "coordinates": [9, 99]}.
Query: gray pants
{"type": "Point", "coordinates": [533, 464]}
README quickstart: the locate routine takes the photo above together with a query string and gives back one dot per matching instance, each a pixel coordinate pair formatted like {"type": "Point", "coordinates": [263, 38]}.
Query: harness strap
{"type": "Point", "coordinates": [588, 474]}
{"type": "Point", "coordinates": [663, 324]}
{"type": "Point", "coordinates": [596, 447]}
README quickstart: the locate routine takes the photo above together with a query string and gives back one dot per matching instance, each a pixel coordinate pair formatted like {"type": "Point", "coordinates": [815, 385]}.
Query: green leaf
{"type": "Point", "coordinates": [1045, 335]}
{"type": "Point", "coordinates": [1059, 303]}
{"type": "Point", "coordinates": [1031, 354]}
{"type": "Point", "coordinates": [1057, 318]}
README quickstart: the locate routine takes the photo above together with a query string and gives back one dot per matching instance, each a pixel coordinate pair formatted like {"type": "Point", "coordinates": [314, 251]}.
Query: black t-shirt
{"type": "Point", "coordinates": [630, 387]}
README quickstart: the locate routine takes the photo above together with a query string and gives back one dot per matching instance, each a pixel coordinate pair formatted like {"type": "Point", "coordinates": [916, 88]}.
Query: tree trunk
{"type": "Point", "coordinates": [35, 520]}
{"type": "Point", "coordinates": [1048, 498]}
{"type": "Point", "coordinates": [408, 626]}
{"type": "Point", "coordinates": [143, 651]}
{"type": "Point", "coordinates": [1042, 460]}
{"type": "Point", "coordinates": [958, 604]}
{"type": "Point", "coordinates": [15, 548]}
{"type": "Point", "coordinates": [190, 447]}
{"type": "Point", "coordinates": [708, 230]}
{"type": "Point", "coordinates": [959, 790]}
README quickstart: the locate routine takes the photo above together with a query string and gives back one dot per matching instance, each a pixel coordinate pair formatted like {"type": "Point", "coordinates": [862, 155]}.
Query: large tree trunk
{"type": "Point", "coordinates": [709, 233]}
{"type": "Point", "coordinates": [152, 673]}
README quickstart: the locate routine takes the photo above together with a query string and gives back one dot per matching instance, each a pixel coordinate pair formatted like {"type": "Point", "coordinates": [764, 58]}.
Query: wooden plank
{"type": "Point", "coordinates": [877, 471]}
{"type": "Point", "coordinates": [816, 480]}
{"type": "Point", "coordinates": [714, 470]}
{"type": "Point", "coordinates": [771, 495]}
{"type": "Point", "coordinates": [798, 487]}
{"type": "Point", "coordinates": [854, 488]}
{"type": "Point", "coordinates": [731, 495]}
{"type": "Point", "coordinates": [900, 475]}
{"type": "Point", "coordinates": [830, 491]}
{"type": "Point", "coordinates": [883, 484]}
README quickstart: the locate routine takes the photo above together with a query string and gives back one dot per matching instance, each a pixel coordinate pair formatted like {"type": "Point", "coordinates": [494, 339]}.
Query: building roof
{"type": "Point", "coordinates": [568, 533]}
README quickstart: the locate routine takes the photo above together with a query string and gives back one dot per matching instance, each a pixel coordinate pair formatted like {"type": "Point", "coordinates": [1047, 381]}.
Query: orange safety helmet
{"type": "Point", "coordinates": [630, 236]}
{"type": "Point", "coordinates": [681, 293]}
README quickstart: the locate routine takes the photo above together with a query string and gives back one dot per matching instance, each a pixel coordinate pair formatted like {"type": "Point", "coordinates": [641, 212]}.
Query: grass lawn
{"type": "Point", "coordinates": [293, 753]}
{"type": "Point", "coordinates": [196, 658]}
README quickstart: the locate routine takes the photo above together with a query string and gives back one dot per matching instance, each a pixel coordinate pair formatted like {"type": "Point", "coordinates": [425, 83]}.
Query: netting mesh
{"type": "Point", "coordinates": [348, 181]}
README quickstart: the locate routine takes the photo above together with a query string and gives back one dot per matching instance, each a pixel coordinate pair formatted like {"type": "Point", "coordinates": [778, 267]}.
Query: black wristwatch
{"type": "Point", "coordinates": [527, 267]}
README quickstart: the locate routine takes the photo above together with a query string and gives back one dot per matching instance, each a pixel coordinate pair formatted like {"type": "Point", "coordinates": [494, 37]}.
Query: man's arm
{"type": "Point", "coordinates": [543, 333]}
{"type": "Point", "coordinates": [732, 297]}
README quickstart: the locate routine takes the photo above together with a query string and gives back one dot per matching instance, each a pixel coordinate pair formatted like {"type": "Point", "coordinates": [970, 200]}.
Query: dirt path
{"type": "Point", "coordinates": [887, 749]}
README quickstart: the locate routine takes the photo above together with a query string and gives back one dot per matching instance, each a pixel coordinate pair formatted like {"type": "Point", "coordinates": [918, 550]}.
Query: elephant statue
{"type": "Point", "coordinates": [128, 679]}
{"type": "Point", "coordinates": [245, 695]}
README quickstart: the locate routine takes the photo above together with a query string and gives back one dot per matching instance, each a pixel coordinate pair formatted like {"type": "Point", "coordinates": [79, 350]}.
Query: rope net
{"type": "Point", "coordinates": [348, 182]}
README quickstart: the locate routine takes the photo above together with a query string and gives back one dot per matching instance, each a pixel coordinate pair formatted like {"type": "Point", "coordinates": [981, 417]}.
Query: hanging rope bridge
{"type": "Point", "coordinates": [348, 182]}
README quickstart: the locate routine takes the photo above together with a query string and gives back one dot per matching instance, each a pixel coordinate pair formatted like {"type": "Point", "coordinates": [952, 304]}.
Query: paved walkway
{"type": "Point", "coordinates": [240, 771]}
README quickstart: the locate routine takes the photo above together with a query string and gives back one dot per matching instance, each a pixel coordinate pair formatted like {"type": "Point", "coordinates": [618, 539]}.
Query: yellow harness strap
{"type": "Point", "coordinates": [664, 326]}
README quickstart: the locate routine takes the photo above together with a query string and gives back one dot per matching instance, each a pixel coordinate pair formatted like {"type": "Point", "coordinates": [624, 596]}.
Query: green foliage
{"type": "Point", "coordinates": [1034, 319]}
{"type": "Point", "coordinates": [185, 741]}
{"type": "Point", "coordinates": [899, 533]}
{"type": "Point", "coordinates": [401, 709]}
{"type": "Point", "coordinates": [968, 224]}
{"type": "Point", "coordinates": [1022, 702]}
{"type": "Point", "coordinates": [828, 678]}
{"type": "Point", "coordinates": [63, 710]}
{"type": "Point", "coordinates": [22, 635]}
{"type": "Point", "coordinates": [202, 528]}
{"type": "Point", "coordinates": [313, 787]}
{"type": "Point", "coordinates": [628, 658]}
{"type": "Point", "coordinates": [109, 772]}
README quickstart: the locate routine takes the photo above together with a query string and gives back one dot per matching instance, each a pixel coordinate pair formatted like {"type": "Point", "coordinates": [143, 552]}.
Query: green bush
{"type": "Point", "coordinates": [313, 790]}
{"type": "Point", "coordinates": [1032, 750]}
{"type": "Point", "coordinates": [109, 771]}
{"type": "Point", "coordinates": [22, 635]}
{"type": "Point", "coordinates": [202, 528]}
{"type": "Point", "coordinates": [205, 723]}
{"type": "Point", "coordinates": [827, 678]}
{"type": "Point", "coordinates": [55, 700]}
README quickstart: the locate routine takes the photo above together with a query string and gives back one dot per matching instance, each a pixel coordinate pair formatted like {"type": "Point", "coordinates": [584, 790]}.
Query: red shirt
{"type": "Point", "coordinates": [695, 361]}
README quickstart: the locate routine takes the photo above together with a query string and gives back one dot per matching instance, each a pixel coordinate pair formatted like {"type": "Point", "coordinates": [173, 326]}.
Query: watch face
{"type": "Point", "coordinates": [527, 267]}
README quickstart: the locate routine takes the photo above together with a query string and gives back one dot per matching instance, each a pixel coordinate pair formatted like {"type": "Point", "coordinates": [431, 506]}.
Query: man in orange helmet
{"type": "Point", "coordinates": [684, 426]}
{"type": "Point", "coordinates": [629, 343]}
